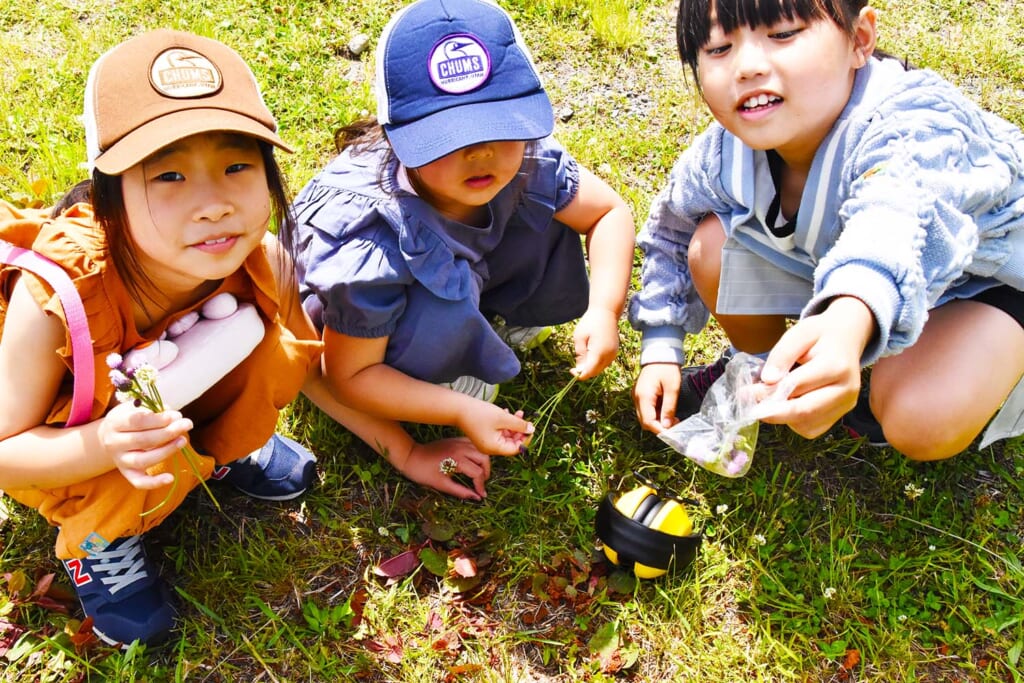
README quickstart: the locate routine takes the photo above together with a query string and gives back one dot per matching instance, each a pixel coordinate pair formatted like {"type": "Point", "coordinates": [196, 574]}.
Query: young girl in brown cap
{"type": "Point", "coordinates": [184, 186]}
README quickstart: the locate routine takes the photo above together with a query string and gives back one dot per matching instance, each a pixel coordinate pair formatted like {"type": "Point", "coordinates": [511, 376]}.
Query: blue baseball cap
{"type": "Point", "coordinates": [454, 73]}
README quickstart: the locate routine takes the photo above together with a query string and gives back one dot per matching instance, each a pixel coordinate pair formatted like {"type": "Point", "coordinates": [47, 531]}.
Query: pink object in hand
{"type": "Point", "coordinates": [191, 360]}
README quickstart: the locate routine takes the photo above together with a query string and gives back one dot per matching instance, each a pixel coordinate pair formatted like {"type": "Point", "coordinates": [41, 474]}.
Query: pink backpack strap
{"type": "Point", "coordinates": [78, 324]}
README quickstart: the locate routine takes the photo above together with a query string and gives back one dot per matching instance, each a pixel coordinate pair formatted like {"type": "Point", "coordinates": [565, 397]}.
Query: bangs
{"type": "Point", "coordinates": [733, 14]}
{"type": "Point", "coordinates": [694, 22]}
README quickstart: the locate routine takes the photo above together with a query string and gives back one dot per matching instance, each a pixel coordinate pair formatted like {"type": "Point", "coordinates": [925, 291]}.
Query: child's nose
{"type": "Point", "coordinates": [479, 151]}
{"type": "Point", "coordinates": [751, 59]}
{"type": "Point", "coordinates": [213, 209]}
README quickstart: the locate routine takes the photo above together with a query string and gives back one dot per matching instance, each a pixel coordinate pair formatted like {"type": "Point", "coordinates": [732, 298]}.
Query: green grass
{"type": "Point", "coordinates": [829, 561]}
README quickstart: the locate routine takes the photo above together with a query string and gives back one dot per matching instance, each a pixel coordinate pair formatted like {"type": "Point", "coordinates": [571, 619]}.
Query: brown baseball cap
{"type": "Point", "coordinates": [165, 85]}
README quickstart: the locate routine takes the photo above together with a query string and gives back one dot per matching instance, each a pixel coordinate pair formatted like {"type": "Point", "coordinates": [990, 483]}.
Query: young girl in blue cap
{"type": "Point", "coordinates": [873, 202]}
{"type": "Point", "coordinates": [447, 227]}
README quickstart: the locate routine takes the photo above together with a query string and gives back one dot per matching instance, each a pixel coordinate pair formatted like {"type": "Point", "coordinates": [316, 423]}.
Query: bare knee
{"type": "Point", "coordinates": [704, 257]}
{"type": "Point", "coordinates": [921, 433]}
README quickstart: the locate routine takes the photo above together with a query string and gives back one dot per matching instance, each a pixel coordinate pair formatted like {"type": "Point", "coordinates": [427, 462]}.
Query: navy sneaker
{"type": "Point", "coordinates": [123, 593]}
{"type": "Point", "coordinates": [861, 423]}
{"type": "Point", "coordinates": [283, 469]}
{"type": "Point", "coordinates": [697, 381]}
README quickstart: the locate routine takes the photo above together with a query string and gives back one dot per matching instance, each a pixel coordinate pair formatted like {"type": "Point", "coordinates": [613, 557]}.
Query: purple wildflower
{"type": "Point", "coordinates": [120, 381]}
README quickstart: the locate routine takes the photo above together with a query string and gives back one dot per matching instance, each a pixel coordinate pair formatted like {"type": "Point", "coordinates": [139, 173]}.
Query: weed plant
{"type": "Point", "coordinates": [829, 561]}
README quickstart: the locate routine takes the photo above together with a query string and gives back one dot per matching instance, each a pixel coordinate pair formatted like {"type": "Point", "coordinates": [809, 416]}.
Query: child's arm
{"type": "Point", "coordinates": [356, 374]}
{"type": "Point", "coordinates": [598, 212]}
{"type": "Point", "coordinates": [33, 455]}
{"type": "Point", "coordinates": [419, 462]}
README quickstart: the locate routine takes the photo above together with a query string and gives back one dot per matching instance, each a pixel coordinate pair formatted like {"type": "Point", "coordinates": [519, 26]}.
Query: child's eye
{"type": "Point", "coordinates": [236, 168]}
{"type": "Point", "coordinates": [716, 50]}
{"type": "Point", "coordinates": [785, 34]}
{"type": "Point", "coordinates": [169, 177]}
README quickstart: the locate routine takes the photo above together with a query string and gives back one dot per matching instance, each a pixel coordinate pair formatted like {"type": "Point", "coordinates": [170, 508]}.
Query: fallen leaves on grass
{"type": "Point", "coordinates": [392, 648]}
{"type": "Point", "coordinates": [44, 593]}
{"type": "Point", "coordinates": [394, 568]}
{"type": "Point", "coordinates": [611, 650]}
{"type": "Point", "coordinates": [9, 634]}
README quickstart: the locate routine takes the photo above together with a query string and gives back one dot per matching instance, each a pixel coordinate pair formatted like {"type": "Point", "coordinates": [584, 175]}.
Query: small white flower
{"type": "Point", "coordinates": [114, 361]}
{"type": "Point", "coordinates": [383, 531]}
{"type": "Point", "coordinates": [721, 509]}
{"type": "Point", "coordinates": [759, 539]}
{"type": "Point", "coordinates": [124, 396]}
{"type": "Point", "coordinates": [901, 618]}
{"type": "Point", "coordinates": [592, 416]}
{"type": "Point", "coordinates": [145, 374]}
{"type": "Point", "coordinates": [912, 492]}
{"type": "Point", "coordinates": [829, 592]}
{"type": "Point", "coordinates": [931, 547]}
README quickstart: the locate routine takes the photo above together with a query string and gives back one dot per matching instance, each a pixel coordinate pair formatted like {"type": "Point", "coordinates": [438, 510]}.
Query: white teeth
{"type": "Point", "coordinates": [221, 240]}
{"type": "Point", "coordinates": [759, 101]}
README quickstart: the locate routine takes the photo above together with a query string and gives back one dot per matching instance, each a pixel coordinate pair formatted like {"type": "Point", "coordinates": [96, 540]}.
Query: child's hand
{"type": "Point", "coordinates": [596, 341]}
{"type": "Point", "coordinates": [424, 467]}
{"type": "Point", "coordinates": [495, 430]}
{"type": "Point", "coordinates": [655, 395]}
{"type": "Point", "coordinates": [137, 439]}
{"type": "Point", "coordinates": [826, 350]}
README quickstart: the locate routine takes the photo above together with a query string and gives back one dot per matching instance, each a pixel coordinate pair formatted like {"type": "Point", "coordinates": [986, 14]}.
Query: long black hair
{"type": "Point", "coordinates": [694, 23]}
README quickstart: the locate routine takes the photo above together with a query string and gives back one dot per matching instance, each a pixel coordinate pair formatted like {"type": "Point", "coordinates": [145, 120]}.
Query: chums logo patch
{"type": "Point", "coordinates": [183, 73]}
{"type": "Point", "coordinates": [459, 63]}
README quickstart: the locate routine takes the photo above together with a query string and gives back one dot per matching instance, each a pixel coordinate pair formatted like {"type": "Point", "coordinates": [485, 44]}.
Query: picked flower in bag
{"type": "Point", "coordinates": [722, 436]}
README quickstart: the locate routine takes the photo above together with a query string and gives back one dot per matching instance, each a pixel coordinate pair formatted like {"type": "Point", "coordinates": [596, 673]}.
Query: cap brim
{"type": "Point", "coordinates": [156, 134]}
{"type": "Point", "coordinates": [420, 142]}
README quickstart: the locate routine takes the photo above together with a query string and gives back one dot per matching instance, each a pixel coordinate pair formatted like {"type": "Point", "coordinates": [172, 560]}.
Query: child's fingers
{"type": "Point", "coordinates": [464, 451]}
{"type": "Point", "coordinates": [472, 471]}
{"type": "Point", "coordinates": [516, 422]}
{"type": "Point", "coordinates": [483, 462]}
{"type": "Point", "coordinates": [141, 480]}
{"type": "Point", "coordinates": [126, 417]}
{"type": "Point", "coordinates": [594, 353]}
{"type": "Point", "coordinates": [587, 367]}
{"type": "Point", "coordinates": [655, 397]}
{"type": "Point", "coordinates": [144, 448]}
{"type": "Point", "coordinates": [453, 488]}
{"type": "Point", "coordinates": [791, 349]}
{"type": "Point", "coordinates": [143, 459]}
{"type": "Point", "coordinates": [645, 401]}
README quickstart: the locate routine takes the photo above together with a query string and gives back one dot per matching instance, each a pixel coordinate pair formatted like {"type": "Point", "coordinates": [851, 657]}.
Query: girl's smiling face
{"type": "Point", "coordinates": [460, 184]}
{"type": "Point", "coordinates": [783, 86]}
{"type": "Point", "coordinates": [196, 209]}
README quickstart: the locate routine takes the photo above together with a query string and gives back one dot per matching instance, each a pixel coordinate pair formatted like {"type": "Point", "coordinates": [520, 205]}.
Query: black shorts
{"type": "Point", "coordinates": [1006, 299]}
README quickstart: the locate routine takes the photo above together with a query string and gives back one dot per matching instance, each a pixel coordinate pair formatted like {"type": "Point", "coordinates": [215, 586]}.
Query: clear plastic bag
{"type": "Point", "coordinates": [722, 436]}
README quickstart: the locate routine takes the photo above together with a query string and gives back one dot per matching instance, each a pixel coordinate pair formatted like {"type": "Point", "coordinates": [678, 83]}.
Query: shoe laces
{"type": "Point", "coordinates": [122, 566]}
{"type": "Point", "coordinates": [703, 378]}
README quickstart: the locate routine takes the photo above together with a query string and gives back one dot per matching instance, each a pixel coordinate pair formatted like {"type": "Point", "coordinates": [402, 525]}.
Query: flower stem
{"type": "Point", "coordinates": [544, 413]}
{"type": "Point", "coordinates": [192, 459]}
